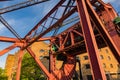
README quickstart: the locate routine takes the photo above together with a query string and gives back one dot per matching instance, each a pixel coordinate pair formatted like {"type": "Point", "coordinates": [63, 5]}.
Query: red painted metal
{"type": "Point", "coordinates": [52, 62]}
{"type": "Point", "coordinates": [60, 42]}
{"type": "Point", "coordinates": [77, 33]}
{"type": "Point", "coordinates": [51, 27]}
{"type": "Point", "coordinates": [45, 18]}
{"type": "Point", "coordinates": [21, 53]}
{"type": "Point", "coordinates": [111, 37]}
{"type": "Point", "coordinates": [8, 39]}
{"type": "Point", "coordinates": [72, 38]}
{"type": "Point", "coordinates": [71, 42]}
{"type": "Point", "coordinates": [7, 49]}
{"type": "Point", "coordinates": [66, 72]}
{"type": "Point", "coordinates": [16, 43]}
{"type": "Point", "coordinates": [91, 46]}
{"type": "Point", "coordinates": [45, 39]}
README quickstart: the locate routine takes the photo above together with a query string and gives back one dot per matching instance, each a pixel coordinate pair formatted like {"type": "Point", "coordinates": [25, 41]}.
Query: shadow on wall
{"type": "Point", "coordinates": [113, 76]}
{"type": "Point", "coordinates": [79, 75]}
{"type": "Point", "coordinates": [118, 73]}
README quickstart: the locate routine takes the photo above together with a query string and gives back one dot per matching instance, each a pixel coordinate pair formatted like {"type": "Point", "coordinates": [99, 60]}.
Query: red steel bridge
{"type": "Point", "coordinates": [91, 25]}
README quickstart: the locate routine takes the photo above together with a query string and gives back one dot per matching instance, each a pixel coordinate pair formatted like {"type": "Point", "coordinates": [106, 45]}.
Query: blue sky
{"type": "Point", "coordinates": [24, 20]}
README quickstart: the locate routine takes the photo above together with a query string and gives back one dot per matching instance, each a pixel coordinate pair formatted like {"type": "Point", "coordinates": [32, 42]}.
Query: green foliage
{"type": "Point", "coordinates": [54, 48]}
{"type": "Point", "coordinates": [116, 20]}
{"type": "Point", "coordinates": [2, 74]}
{"type": "Point", "coordinates": [30, 70]}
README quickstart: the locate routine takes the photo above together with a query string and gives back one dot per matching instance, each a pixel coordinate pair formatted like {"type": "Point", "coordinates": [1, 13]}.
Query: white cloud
{"type": "Point", "coordinates": [109, 1]}
{"type": "Point", "coordinates": [2, 64]}
{"type": "Point", "coordinates": [1, 27]}
{"type": "Point", "coordinates": [3, 60]}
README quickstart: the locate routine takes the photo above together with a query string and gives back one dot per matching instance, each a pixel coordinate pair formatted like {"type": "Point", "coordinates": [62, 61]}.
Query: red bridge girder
{"type": "Point", "coordinates": [90, 31]}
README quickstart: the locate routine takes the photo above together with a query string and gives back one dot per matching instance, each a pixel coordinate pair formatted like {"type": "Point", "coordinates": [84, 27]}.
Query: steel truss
{"type": "Point", "coordinates": [93, 29]}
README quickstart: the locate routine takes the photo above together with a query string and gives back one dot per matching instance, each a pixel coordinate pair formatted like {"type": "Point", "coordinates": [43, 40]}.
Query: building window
{"type": "Point", "coordinates": [107, 51]}
{"type": "Point", "coordinates": [87, 66]}
{"type": "Point", "coordinates": [85, 57]}
{"type": "Point", "coordinates": [42, 51]}
{"type": "Point", "coordinates": [41, 57]}
{"type": "Point", "coordinates": [111, 65]}
{"type": "Point", "coordinates": [109, 58]}
{"type": "Point", "coordinates": [89, 77]}
{"type": "Point", "coordinates": [118, 65]}
{"type": "Point", "coordinates": [104, 65]}
{"type": "Point", "coordinates": [101, 57]}
{"type": "Point", "coordinates": [77, 58]}
{"type": "Point", "coordinates": [108, 76]}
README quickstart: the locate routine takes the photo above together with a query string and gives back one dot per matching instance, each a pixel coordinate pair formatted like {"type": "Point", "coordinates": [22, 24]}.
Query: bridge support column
{"type": "Point", "coordinates": [19, 65]}
{"type": "Point", "coordinates": [91, 45]}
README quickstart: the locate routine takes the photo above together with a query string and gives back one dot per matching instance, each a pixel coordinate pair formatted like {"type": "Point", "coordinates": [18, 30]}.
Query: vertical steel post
{"type": "Point", "coordinates": [52, 63]}
{"type": "Point", "coordinates": [61, 41]}
{"type": "Point", "coordinates": [53, 66]}
{"type": "Point", "coordinates": [91, 45]}
{"type": "Point", "coordinates": [19, 65]}
{"type": "Point", "coordinates": [72, 38]}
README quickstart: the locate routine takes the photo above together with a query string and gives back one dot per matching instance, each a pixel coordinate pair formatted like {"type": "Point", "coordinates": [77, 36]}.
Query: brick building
{"type": "Point", "coordinates": [39, 48]}
{"type": "Point", "coordinates": [110, 65]}
{"type": "Point", "coordinates": [9, 65]}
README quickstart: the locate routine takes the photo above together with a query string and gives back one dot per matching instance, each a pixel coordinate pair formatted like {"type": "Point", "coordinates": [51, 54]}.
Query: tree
{"type": "Point", "coordinates": [30, 69]}
{"type": "Point", "coordinates": [2, 74]}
